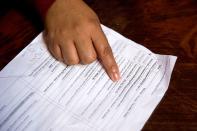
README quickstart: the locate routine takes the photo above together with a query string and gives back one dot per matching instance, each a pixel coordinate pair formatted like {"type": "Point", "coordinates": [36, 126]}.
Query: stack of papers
{"type": "Point", "coordinates": [38, 93]}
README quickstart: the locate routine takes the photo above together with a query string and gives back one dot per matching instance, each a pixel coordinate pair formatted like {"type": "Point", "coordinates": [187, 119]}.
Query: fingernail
{"type": "Point", "coordinates": [116, 76]}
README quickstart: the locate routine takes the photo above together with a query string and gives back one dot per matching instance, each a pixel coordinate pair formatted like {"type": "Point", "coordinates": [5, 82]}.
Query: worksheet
{"type": "Point", "coordinates": [38, 93]}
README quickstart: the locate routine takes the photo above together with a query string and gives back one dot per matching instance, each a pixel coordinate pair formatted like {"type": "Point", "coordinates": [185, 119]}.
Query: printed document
{"type": "Point", "coordinates": [38, 93]}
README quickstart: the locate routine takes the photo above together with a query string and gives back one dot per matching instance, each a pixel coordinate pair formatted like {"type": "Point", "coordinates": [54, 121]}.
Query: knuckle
{"type": "Point", "coordinates": [60, 33]}
{"type": "Point", "coordinates": [106, 51]}
{"type": "Point", "coordinates": [79, 30]}
{"type": "Point", "coordinates": [94, 20]}
{"type": "Point", "coordinates": [86, 26]}
{"type": "Point", "coordinates": [77, 26]}
{"type": "Point", "coordinates": [89, 59]}
{"type": "Point", "coordinates": [93, 24]}
{"type": "Point", "coordinates": [72, 61]}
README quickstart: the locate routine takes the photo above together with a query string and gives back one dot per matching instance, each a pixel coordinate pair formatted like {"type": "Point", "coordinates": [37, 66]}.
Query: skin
{"type": "Point", "coordinates": [73, 35]}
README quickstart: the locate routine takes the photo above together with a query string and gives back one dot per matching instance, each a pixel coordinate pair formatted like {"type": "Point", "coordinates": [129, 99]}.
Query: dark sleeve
{"type": "Point", "coordinates": [42, 7]}
{"type": "Point", "coordinates": [38, 7]}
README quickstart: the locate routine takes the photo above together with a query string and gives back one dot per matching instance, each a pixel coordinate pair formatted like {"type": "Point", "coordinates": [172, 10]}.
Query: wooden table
{"type": "Point", "coordinates": [164, 26]}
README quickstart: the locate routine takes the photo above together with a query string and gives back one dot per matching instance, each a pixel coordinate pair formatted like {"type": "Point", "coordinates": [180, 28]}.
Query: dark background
{"type": "Point", "coordinates": [163, 26]}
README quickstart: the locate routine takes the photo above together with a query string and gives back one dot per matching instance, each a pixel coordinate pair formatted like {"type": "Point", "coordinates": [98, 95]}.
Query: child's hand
{"type": "Point", "coordinates": [73, 35]}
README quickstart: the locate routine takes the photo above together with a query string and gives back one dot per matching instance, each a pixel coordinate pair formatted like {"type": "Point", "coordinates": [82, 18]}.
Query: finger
{"type": "Point", "coordinates": [105, 54]}
{"type": "Point", "coordinates": [54, 49]}
{"type": "Point", "coordinates": [69, 53]}
{"type": "Point", "coordinates": [85, 49]}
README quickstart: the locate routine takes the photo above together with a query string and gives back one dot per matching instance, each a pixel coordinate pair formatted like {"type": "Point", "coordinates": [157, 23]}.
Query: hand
{"type": "Point", "coordinates": [73, 35]}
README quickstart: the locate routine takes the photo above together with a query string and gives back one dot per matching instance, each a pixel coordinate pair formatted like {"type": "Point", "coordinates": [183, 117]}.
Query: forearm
{"type": "Point", "coordinates": [42, 6]}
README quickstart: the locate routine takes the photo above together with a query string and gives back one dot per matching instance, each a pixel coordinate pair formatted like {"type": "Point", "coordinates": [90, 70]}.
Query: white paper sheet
{"type": "Point", "coordinates": [37, 93]}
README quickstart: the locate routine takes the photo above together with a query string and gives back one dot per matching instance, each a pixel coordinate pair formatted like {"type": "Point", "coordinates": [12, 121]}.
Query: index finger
{"type": "Point", "coordinates": [105, 54]}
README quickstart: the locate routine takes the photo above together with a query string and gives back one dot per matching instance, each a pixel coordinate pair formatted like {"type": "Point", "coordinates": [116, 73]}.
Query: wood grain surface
{"type": "Point", "coordinates": [163, 26]}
